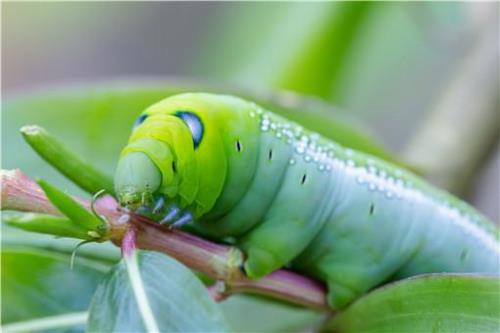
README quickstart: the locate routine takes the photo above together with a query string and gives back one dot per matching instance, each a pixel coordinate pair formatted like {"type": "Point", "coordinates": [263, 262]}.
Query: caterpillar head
{"type": "Point", "coordinates": [172, 153]}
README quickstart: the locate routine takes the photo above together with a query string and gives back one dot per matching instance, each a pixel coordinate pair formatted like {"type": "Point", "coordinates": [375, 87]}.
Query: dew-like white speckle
{"type": "Point", "coordinates": [300, 149]}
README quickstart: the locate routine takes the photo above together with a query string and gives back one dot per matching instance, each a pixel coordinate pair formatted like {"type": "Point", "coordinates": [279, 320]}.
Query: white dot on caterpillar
{"type": "Point", "coordinates": [372, 187]}
{"type": "Point", "coordinates": [300, 149]}
{"type": "Point", "coordinates": [292, 161]}
{"type": "Point", "coordinates": [307, 158]}
{"type": "Point", "coordinates": [351, 163]}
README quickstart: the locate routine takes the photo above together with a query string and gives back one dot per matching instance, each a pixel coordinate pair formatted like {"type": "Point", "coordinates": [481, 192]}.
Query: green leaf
{"type": "Point", "coordinates": [13, 238]}
{"type": "Point", "coordinates": [78, 214]}
{"type": "Point", "coordinates": [149, 291]}
{"type": "Point", "coordinates": [46, 224]}
{"type": "Point", "coordinates": [428, 303]}
{"type": "Point", "coordinates": [81, 172]}
{"type": "Point", "coordinates": [314, 68]}
{"type": "Point", "coordinates": [38, 285]}
{"type": "Point", "coordinates": [296, 46]}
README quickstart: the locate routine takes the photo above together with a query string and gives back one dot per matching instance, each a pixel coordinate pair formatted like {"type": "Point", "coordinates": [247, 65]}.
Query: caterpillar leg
{"type": "Point", "coordinates": [172, 212]}
{"type": "Point", "coordinates": [291, 223]}
{"type": "Point", "coordinates": [159, 204]}
{"type": "Point", "coordinates": [185, 218]}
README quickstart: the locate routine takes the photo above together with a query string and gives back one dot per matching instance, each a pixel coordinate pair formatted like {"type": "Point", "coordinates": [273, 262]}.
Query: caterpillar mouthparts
{"type": "Point", "coordinates": [129, 199]}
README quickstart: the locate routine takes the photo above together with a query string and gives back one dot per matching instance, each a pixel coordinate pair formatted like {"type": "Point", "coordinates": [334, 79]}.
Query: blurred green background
{"type": "Point", "coordinates": [387, 64]}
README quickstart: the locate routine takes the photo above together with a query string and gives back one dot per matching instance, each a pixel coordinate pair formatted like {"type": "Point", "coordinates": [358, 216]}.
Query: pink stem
{"type": "Point", "coordinates": [218, 261]}
{"type": "Point", "coordinates": [128, 242]}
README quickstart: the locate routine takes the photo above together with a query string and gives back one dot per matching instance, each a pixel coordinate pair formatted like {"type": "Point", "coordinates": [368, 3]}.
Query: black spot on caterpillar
{"type": "Point", "coordinates": [372, 209]}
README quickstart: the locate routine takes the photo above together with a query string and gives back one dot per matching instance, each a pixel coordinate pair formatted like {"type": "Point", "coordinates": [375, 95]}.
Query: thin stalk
{"type": "Point", "coordinates": [47, 323]}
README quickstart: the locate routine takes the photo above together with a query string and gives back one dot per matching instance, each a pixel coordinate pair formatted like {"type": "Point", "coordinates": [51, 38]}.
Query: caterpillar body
{"type": "Point", "coordinates": [291, 197]}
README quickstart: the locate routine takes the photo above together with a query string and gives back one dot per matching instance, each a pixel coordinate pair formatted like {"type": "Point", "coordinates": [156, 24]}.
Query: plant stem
{"type": "Point", "coordinates": [128, 242]}
{"type": "Point", "coordinates": [21, 193]}
{"type": "Point", "coordinates": [57, 323]}
{"type": "Point", "coordinates": [220, 262]}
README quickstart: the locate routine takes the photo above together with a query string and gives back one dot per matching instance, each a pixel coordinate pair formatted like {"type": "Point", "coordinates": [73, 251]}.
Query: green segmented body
{"type": "Point", "coordinates": [289, 196]}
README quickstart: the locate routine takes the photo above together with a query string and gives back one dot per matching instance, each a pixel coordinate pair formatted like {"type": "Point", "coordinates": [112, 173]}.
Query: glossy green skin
{"type": "Point", "coordinates": [289, 196]}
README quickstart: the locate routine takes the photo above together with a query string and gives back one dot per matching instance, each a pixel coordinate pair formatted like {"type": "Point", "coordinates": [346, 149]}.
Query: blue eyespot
{"type": "Point", "coordinates": [139, 120]}
{"type": "Point", "coordinates": [195, 125]}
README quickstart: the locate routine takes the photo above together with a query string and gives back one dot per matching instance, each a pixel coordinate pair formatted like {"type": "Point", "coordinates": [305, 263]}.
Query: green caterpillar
{"type": "Point", "coordinates": [290, 197]}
